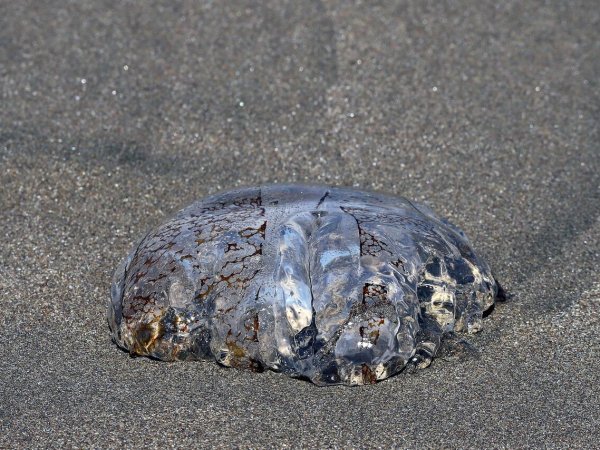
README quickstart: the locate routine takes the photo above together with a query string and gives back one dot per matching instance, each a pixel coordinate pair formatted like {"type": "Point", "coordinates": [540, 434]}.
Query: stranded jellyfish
{"type": "Point", "coordinates": [334, 285]}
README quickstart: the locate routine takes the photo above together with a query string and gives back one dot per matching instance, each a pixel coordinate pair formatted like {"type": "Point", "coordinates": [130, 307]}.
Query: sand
{"type": "Point", "coordinates": [115, 114]}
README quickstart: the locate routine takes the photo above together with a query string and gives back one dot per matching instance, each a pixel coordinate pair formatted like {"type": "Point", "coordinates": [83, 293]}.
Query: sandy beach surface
{"type": "Point", "coordinates": [116, 114]}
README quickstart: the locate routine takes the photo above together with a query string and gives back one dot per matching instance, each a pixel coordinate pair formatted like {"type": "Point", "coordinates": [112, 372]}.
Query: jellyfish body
{"type": "Point", "coordinates": [335, 285]}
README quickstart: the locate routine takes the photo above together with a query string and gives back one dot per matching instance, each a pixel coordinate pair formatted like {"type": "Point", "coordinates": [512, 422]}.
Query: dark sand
{"type": "Point", "coordinates": [115, 114]}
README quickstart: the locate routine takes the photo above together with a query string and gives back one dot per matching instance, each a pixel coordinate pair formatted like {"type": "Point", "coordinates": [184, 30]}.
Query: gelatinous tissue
{"type": "Point", "coordinates": [330, 284]}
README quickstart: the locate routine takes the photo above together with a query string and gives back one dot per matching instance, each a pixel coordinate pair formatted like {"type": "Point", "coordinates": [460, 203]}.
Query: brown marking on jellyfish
{"type": "Point", "coordinates": [232, 247]}
{"type": "Point", "coordinates": [242, 258]}
{"type": "Point", "coordinates": [253, 326]}
{"type": "Point", "coordinates": [146, 335]}
{"type": "Point", "coordinates": [222, 311]}
{"type": "Point", "coordinates": [158, 278]}
{"type": "Point", "coordinates": [374, 294]}
{"type": "Point", "coordinates": [374, 335]}
{"type": "Point", "coordinates": [369, 244]}
{"type": "Point", "coordinates": [368, 376]}
{"type": "Point", "coordinates": [206, 287]}
{"type": "Point", "coordinates": [149, 261]}
{"type": "Point", "coordinates": [234, 349]}
{"type": "Point", "coordinates": [249, 232]}
{"type": "Point", "coordinates": [138, 276]}
{"type": "Point", "coordinates": [399, 264]}
{"type": "Point", "coordinates": [136, 305]}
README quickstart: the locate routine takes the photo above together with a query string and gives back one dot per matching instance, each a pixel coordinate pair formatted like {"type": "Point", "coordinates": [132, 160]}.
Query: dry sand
{"type": "Point", "coordinates": [115, 114]}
